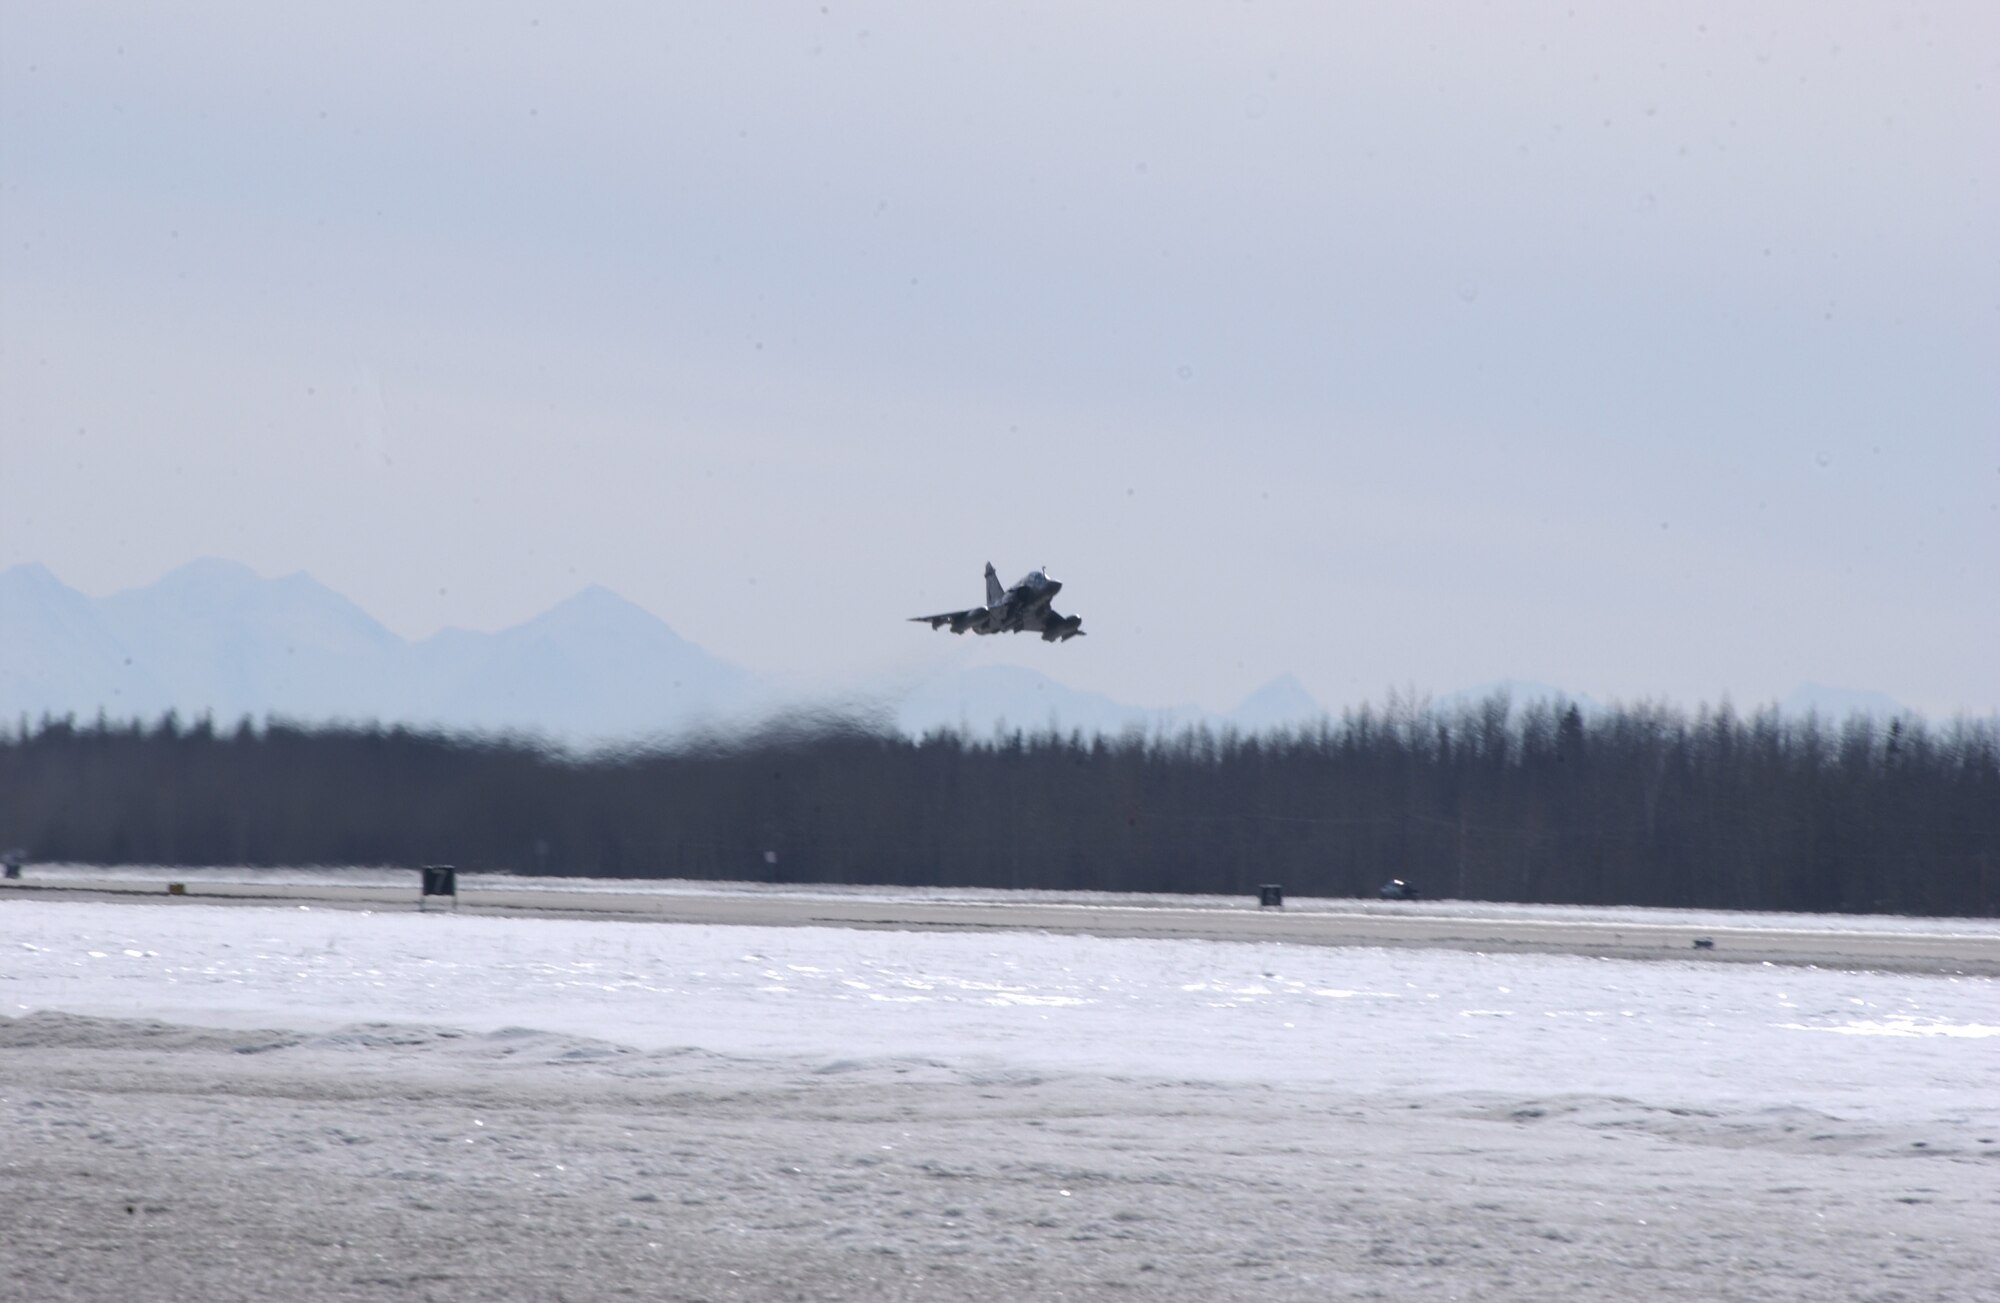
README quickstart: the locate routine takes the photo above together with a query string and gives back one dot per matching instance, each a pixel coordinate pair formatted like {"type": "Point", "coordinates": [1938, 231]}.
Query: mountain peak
{"type": "Point", "coordinates": [597, 610]}
{"type": "Point", "coordinates": [1283, 701]}
{"type": "Point", "coordinates": [596, 597]}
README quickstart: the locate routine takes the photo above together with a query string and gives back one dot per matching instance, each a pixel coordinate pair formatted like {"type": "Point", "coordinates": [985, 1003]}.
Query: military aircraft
{"type": "Point", "coordinates": [1024, 608]}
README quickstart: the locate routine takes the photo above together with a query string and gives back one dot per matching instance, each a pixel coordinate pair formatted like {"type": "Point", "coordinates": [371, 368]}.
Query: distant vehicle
{"type": "Point", "coordinates": [1024, 608]}
{"type": "Point", "coordinates": [1397, 889]}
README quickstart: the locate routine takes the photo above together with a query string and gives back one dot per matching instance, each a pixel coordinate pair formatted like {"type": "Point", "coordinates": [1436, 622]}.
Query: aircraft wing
{"type": "Point", "coordinates": [958, 620]}
{"type": "Point", "coordinates": [1053, 625]}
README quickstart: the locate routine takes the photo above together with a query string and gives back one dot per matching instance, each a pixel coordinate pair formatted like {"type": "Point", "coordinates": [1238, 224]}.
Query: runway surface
{"type": "Point", "coordinates": [1965, 947]}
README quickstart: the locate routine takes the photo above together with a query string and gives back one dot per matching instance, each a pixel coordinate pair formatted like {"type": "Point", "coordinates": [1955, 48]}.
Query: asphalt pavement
{"type": "Point", "coordinates": [1302, 922]}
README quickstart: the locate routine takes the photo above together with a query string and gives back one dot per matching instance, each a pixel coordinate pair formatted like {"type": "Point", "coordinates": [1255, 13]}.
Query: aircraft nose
{"type": "Point", "coordinates": [1054, 586]}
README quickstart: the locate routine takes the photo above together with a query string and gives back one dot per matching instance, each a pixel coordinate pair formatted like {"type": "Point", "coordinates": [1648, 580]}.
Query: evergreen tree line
{"type": "Point", "coordinates": [1644, 805]}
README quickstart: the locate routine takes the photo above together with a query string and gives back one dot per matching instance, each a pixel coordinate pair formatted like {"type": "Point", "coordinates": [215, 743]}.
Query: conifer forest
{"type": "Point", "coordinates": [1638, 805]}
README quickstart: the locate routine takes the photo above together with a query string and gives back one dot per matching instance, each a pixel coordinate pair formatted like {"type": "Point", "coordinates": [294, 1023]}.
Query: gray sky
{"type": "Point", "coordinates": [1391, 345]}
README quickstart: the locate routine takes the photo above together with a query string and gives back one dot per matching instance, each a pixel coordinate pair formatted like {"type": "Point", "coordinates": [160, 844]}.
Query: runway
{"type": "Point", "coordinates": [1970, 948]}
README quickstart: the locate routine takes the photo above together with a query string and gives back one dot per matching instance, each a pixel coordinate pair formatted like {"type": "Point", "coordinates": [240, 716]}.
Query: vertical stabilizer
{"type": "Point", "coordinates": [994, 592]}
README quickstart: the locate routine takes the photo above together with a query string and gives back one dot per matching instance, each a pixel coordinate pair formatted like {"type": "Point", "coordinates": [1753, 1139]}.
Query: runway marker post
{"type": "Point", "coordinates": [439, 880]}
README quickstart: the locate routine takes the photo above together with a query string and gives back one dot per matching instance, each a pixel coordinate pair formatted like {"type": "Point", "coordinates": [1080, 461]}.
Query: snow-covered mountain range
{"type": "Point", "coordinates": [214, 638]}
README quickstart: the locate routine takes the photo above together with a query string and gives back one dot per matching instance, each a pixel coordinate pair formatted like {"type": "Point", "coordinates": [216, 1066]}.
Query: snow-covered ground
{"type": "Point", "coordinates": [586, 1109]}
{"type": "Point", "coordinates": [1367, 1020]}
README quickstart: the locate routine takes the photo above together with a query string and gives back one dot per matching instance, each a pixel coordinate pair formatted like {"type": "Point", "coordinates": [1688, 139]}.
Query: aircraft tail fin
{"type": "Point", "coordinates": [994, 592]}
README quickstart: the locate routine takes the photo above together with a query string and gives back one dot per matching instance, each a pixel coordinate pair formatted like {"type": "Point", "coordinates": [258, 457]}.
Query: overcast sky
{"type": "Point", "coordinates": [1387, 344]}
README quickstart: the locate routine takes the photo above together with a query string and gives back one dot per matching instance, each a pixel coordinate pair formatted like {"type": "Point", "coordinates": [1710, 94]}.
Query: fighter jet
{"type": "Point", "coordinates": [1024, 608]}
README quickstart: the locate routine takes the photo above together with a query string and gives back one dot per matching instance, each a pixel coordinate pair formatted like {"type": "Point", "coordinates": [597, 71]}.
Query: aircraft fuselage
{"type": "Point", "coordinates": [1023, 608]}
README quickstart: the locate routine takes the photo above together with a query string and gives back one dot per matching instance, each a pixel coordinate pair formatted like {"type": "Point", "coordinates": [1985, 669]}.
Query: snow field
{"type": "Point", "coordinates": [332, 1104]}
